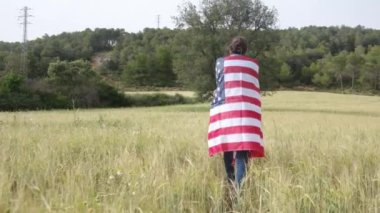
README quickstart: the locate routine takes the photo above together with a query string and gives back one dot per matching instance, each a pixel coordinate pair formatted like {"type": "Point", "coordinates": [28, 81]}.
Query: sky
{"type": "Point", "coordinates": [57, 16]}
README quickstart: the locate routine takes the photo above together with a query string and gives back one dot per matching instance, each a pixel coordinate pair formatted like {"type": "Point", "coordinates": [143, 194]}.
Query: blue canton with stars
{"type": "Point", "coordinates": [219, 95]}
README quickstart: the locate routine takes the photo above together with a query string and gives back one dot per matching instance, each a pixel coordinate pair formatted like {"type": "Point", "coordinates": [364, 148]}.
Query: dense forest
{"type": "Point", "coordinates": [92, 67]}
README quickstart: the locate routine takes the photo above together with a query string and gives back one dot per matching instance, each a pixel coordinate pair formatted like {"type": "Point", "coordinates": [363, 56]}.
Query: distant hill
{"type": "Point", "coordinates": [328, 58]}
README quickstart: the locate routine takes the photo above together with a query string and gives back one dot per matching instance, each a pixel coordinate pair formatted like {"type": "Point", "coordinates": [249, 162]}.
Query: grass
{"type": "Point", "coordinates": [322, 156]}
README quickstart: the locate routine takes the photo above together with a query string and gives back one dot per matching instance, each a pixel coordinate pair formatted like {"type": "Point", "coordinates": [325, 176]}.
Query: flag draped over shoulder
{"type": "Point", "coordinates": [235, 115]}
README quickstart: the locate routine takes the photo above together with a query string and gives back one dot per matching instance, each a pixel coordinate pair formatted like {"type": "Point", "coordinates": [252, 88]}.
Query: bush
{"type": "Point", "coordinates": [156, 99]}
{"type": "Point", "coordinates": [11, 82]}
{"type": "Point", "coordinates": [110, 97]}
{"type": "Point", "coordinates": [71, 84]}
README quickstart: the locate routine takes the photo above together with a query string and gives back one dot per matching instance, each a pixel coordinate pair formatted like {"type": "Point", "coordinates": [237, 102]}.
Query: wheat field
{"type": "Point", "coordinates": [321, 156]}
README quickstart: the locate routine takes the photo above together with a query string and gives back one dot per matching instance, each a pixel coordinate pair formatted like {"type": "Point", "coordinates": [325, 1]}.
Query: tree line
{"type": "Point", "coordinates": [61, 67]}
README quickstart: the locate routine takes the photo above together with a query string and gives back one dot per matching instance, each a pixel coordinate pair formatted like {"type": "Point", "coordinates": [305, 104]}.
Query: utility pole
{"type": "Point", "coordinates": [24, 55]}
{"type": "Point", "coordinates": [158, 21]}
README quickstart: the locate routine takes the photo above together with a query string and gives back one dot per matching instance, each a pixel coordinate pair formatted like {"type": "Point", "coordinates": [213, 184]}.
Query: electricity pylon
{"type": "Point", "coordinates": [24, 55]}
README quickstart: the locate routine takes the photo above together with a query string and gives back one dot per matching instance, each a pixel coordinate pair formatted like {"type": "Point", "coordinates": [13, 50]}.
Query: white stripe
{"type": "Point", "coordinates": [234, 138]}
{"type": "Point", "coordinates": [241, 63]}
{"type": "Point", "coordinates": [234, 106]}
{"type": "Point", "coordinates": [234, 122]}
{"type": "Point", "coordinates": [241, 77]}
{"type": "Point", "coordinates": [242, 91]}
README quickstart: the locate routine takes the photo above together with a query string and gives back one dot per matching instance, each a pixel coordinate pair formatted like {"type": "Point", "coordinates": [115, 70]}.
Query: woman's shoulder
{"type": "Point", "coordinates": [220, 60]}
{"type": "Point", "coordinates": [241, 57]}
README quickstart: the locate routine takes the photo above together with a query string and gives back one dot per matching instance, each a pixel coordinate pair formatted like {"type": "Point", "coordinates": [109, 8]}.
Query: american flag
{"type": "Point", "coordinates": [235, 115]}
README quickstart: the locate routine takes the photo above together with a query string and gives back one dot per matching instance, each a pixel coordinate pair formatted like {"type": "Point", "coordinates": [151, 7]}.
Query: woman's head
{"type": "Point", "coordinates": [238, 45]}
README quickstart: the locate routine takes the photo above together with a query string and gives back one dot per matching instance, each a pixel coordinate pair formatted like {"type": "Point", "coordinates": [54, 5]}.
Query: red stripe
{"type": "Point", "coordinates": [238, 69]}
{"type": "Point", "coordinates": [235, 114]}
{"type": "Point", "coordinates": [242, 57]}
{"type": "Point", "coordinates": [242, 98]}
{"type": "Point", "coordinates": [235, 130]}
{"type": "Point", "coordinates": [256, 150]}
{"type": "Point", "coordinates": [244, 84]}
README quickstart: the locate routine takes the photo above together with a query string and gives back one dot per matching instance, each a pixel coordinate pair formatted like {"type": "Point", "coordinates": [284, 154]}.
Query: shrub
{"type": "Point", "coordinates": [158, 99]}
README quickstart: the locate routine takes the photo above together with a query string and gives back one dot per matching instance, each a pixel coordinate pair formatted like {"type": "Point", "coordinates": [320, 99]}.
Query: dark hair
{"type": "Point", "coordinates": [238, 45]}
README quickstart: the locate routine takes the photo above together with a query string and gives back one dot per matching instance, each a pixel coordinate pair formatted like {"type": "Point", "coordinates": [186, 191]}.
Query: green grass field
{"type": "Point", "coordinates": [322, 156]}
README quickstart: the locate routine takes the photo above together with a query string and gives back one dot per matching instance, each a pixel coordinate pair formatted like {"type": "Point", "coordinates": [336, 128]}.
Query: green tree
{"type": "Point", "coordinates": [209, 28]}
{"type": "Point", "coordinates": [104, 39]}
{"type": "Point", "coordinates": [309, 72]}
{"type": "Point", "coordinates": [75, 80]}
{"type": "Point", "coordinates": [269, 78]}
{"type": "Point", "coordinates": [322, 79]}
{"type": "Point", "coordinates": [136, 72]}
{"type": "Point", "coordinates": [13, 63]}
{"type": "Point", "coordinates": [371, 73]}
{"type": "Point", "coordinates": [146, 58]}
{"type": "Point", "coordinates": [353, 66]}
{"type": "Point", "coordinates": [163, 68]}
{"type": "Point", "coordinates": [11, 83]}
{"type": "Point", "coordinates": [70, 73]}
{"type": "Point", "coordinates": [3, 56]}
{"type": "Point", "coordinates": [337, 65]}
{"type": "Point", "coordinates": [285, 73]}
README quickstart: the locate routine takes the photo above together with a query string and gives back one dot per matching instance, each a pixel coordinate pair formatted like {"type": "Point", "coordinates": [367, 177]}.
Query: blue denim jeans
{"type": "Point", "coordinates": [241, 162]}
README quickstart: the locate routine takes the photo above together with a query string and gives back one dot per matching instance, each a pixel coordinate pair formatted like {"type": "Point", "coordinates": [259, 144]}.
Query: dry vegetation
{"type": "Point", "coordinates": [322, 156]}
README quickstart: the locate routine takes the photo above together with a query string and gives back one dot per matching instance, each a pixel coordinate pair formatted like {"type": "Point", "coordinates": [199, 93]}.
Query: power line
{"type": "Point", "coordinates": [158, 21]}
{"type": "Point", "coordinates": [24, 55]}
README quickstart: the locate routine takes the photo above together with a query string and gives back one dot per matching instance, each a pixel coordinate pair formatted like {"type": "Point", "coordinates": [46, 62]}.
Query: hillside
{"type": "Point", "coordinates": [325, 58]}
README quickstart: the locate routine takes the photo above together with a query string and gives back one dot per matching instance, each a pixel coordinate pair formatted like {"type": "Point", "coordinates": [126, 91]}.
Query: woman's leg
{"type": "Point", "coordinates": [241, 165]}
{"type": "Point", "coordinates": [228, 164]}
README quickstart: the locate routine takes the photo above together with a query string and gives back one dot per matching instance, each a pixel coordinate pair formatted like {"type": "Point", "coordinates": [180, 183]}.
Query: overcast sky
{"type": "Point", "coordinates": [56, 16]}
